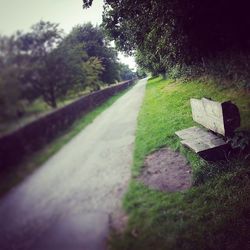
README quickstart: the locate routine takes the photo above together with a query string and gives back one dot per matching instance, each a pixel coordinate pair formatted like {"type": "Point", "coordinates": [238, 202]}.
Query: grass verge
{"type": "Point", "coordinates": [31, 163]}
{"type": "Point", "coordinates": [215, 212]}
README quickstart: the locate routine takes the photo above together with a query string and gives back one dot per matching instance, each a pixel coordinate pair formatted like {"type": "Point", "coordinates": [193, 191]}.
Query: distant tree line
{"type": "Point", "coordinates": [44, 63]}
{"type": "Point", "coordinates": [183, 37]}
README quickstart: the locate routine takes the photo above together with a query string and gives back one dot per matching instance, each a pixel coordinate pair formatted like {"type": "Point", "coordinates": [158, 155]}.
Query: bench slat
{"type": "Point", "coordinates": [222, 118]}
{"type": "Point", "coordinates": [199, 139]}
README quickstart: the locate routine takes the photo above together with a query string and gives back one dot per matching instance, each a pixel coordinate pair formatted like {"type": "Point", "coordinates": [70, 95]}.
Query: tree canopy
{"type": "Point", "coordinates": [164, 34]}
{"type": "Point", "coordinates": [96, 45]}
{"type": "Point", "coordinates": [44, 63]}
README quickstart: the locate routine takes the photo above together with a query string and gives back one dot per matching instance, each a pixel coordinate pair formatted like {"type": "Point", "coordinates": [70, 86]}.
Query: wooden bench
{"type": "Point", "coordinates": [221, 119]}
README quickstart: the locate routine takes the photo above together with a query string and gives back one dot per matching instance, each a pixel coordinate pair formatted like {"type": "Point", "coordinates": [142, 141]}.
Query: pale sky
{"type": "Point", "coordinates": [22, 14]}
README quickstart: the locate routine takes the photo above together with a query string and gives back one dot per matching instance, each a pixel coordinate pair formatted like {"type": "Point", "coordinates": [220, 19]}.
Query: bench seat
{"type": "Point", "coordinates": [200, 140]}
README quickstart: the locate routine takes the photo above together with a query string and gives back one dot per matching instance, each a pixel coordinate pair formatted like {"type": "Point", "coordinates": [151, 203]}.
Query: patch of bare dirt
{"type": "Point", "coordinates": [166, 170]}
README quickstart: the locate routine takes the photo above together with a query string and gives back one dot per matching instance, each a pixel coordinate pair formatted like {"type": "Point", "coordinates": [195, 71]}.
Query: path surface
{"type": "Point", "coordinates": [69, 202]}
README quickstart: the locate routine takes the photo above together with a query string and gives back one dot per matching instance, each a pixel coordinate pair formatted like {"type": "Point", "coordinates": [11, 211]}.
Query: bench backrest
{"type": "Point", "coordinates": [222, 118]}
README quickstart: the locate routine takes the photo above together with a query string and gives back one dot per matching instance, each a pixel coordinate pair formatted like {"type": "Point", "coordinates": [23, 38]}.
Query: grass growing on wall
{"type": "Point", "coordinates": [214, 213]}
{"type": "Point", "coordinates": [31, 163]}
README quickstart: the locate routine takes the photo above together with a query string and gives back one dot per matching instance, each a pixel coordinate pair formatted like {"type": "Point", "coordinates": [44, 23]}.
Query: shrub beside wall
{"type": "Point", "coordinates": [27, 139]}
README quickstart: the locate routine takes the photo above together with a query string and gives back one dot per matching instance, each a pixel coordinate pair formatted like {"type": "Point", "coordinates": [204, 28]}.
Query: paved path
{"type": "Point", "coordinates": [69, 202]}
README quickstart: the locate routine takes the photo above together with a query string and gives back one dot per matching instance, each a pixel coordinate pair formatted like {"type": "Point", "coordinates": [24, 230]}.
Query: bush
{"type": "Point", "coordinates": [226, 69]}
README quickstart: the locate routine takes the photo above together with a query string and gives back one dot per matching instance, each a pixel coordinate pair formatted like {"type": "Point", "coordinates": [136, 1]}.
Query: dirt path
{"type": "Point", "coordinates": [69, 202]}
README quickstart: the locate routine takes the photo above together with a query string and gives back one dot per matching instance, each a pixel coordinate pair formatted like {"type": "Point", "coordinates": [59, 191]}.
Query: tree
{"type": "Point", "coordinates": [10, 91]}
{"type": "Point", "coordinates": [45, 63]}
{"type": "Point", "coordinates": [152, 28]}
{"type": "Point", "coordinates": [55, 64]}
{"type": "Point", "coordinates": [42, 62]}
{"type": "Point", "coordinates": [93, 69]}
{"type": "Point", "coordinates": [177, 32]}
{"type": "Point", "coordinates": [73, 57]}
{"type": "Point", "coordinates": [96, 45]}
{"type": "Point", "coordinates": [125, 72]}
{"type": "Point", "coordinates": [141, 73]}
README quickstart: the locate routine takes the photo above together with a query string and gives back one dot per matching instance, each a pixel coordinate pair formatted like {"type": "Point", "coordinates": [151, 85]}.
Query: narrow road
{"type": "Point", "coordinates": [70, 201]}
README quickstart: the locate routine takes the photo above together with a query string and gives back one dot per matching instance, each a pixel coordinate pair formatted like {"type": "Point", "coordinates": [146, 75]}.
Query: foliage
{"type": "Point", "coordinates": [9, 94]}
{"type": "Point", "coordinates": [87, 3]}
{"type": "Point", "coordinates": [229, 69]}
{"type": "Point", "coordinates": [10, 90]}
{"type": "Point", "coordinates": [163, 34]}
{"type": "Point", "coordinates": [141, 73]}
{"type": "Point", "coordinates": [44, 63]}
{"type": "Point", "coordinates": [213, 214]}
{"type": "Point", "coordinates": [95, 44]}
{"type": "Point", "coordinates": [153, 28]}
{"type": "Point", "coordinates": [93, 68]}
{"type": "Point", "coordinates": [125, 72]}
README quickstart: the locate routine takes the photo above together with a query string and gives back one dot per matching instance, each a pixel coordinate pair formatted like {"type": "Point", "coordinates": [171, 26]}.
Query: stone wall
{"type": "Point", "coordinates": [31, 137]}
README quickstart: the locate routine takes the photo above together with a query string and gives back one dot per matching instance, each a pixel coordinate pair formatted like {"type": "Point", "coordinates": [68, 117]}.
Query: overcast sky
{"type": "Point", "coordinates": [21, 14]}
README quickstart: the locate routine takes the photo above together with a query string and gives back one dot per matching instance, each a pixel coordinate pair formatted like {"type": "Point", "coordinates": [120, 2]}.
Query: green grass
{"type": "Point", "coordinates": [215, 212]}
{"type": "Point", "coordinates": [31, 163]}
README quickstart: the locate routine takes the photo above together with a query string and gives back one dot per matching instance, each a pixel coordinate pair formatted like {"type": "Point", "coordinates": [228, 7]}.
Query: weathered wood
{"type": "Point", "coordinates": [200, 140]}
{"type": "Point", "coordinates": [222, 118]}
